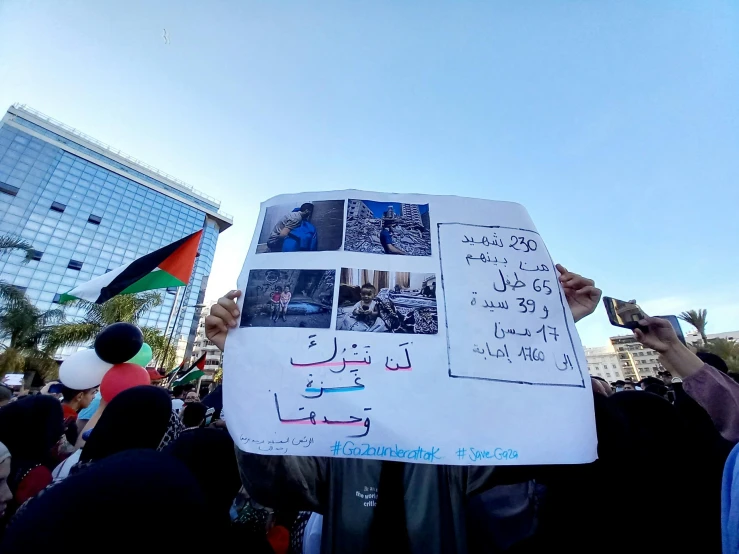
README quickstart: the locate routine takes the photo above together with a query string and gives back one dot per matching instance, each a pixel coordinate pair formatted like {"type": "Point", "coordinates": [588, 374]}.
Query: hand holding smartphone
{"type": "Point", "coordinates": [628, 314]}
{"type": "Point", "coordinates": [624, 314]}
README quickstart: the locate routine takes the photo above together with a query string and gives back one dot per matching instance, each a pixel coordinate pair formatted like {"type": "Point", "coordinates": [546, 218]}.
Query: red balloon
{"type": "Point", "coordinates": [121, 377]}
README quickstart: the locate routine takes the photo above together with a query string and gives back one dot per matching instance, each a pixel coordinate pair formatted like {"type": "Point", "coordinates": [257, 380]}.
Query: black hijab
{"type": "Point", "coordinates": [117, 504]}
{"type": "Point", "coordinates": [30, 428]}
{"type": "Point", "coordinates": [138, 417]}
{"type": "Point", "coordinates": [209, 455]}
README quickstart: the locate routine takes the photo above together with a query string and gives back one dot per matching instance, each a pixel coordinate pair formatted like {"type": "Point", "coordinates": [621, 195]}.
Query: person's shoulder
{"type": "Point", "coordinates": [293, 218]}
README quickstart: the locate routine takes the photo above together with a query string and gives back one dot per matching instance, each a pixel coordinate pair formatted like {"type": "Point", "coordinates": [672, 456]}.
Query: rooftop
{"type": "Point", "coordinates": [135, 163]}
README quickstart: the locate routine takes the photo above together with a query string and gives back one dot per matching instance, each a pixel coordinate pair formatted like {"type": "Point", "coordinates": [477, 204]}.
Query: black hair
{"type": "Point", "coordinates": [713, 360]}
{"type": "Point", "coordinates": [193, 414]}
{"type": "Point", "coordinates": [306, 207]}
{"type": "Point", "coordinates": [368, 286]}
{"type": "Point", "coordinates": [178, 391]}
{"type": "Point", "coordinates": [188, 387]}
{"type": "Point", "coordinates": [5, 393]}
{"type": "Point", "coordinates": [69, 394]}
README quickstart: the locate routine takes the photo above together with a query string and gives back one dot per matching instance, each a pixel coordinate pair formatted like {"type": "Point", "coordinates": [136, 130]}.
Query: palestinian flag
{"type": "Point", "coordinates": [179, 370]}
{"type": "Point", "coordinates": [170, 266]}
{"type": "Point", "coordinates": [194, 373]}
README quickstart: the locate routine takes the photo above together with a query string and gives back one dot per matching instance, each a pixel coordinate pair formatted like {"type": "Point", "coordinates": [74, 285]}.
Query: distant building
{"type": "Point", "coordinates": [358, 210]}
{"type": "Point", "coordinates": [412, 213]}
{"type": "Point", "coordinates": [636, 362]}
{"type": "Point", "coordinates": [603, 362]}
{"type": "Point", "coordinates": [694, 339]}
{"type": "Point", "coordinates": [213, 356]}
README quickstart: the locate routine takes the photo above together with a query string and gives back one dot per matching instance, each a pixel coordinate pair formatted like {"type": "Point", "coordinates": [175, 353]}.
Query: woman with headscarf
{"type": "Point", "coordinates": [117, 505]}
{"type": "Point", "coordinates": [32, 429]}
{"type": "Point", "coordinates": [139, 417]}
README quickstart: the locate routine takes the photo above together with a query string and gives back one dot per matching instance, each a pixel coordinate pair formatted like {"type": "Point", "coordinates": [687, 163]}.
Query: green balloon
{"type": "Point", "coordinates": [143, 357]}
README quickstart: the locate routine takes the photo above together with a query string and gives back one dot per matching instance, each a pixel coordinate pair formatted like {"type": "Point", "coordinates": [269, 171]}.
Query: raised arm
{"type": "Point", "coordinates": [716, 392]}
{"type": "Point", "coordinates": [280, 482]}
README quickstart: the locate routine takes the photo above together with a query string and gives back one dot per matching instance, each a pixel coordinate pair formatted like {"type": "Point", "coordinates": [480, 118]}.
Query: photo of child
{"type": "Point", "coordinates": [387, 302]}
{"type": "Point", "coordinates": [289, 298]}
{"type": "Point", "coordinates": [366, 309]}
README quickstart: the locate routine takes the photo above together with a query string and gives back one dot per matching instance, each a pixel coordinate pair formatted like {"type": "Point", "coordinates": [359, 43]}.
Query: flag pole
{"type": "Point", "coordinates": [174, 326]}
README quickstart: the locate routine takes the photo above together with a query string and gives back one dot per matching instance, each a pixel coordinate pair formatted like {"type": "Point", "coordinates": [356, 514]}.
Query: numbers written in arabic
{"type": "Point", "coordinates": [523, 244]}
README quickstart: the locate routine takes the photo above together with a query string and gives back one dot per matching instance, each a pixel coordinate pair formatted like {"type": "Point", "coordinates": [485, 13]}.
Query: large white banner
{"type": "Point", "coordinates": [426, 329]}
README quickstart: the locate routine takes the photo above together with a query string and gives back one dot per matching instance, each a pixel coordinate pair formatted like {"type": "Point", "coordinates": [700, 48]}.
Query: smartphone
{"type": "Point", "coordinates": [209, 416]}
{"type": "Point", "coordinates": [675, 325]}
{"type": "Point", "coordinates": [624, 314]}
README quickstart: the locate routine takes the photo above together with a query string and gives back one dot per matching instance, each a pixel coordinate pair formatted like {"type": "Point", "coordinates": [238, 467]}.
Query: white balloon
{"type": "Point", "coordinates": [83, 370]}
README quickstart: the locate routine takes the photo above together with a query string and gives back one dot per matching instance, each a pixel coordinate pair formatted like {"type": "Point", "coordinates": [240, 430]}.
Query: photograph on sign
{"type": "Point", "coordinates": [393, 228]}
{"type": "Point", "coordinates": [387, 302]}
{"type": "Point", "coordinates": [302, 227]}
{"type": "Point", "coordinates": [288, 298]}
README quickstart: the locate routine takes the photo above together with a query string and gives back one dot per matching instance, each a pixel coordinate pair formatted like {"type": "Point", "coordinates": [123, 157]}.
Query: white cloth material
{"type": "Point", "coordinates": [61, 471]}
{"type": "Point", "coordinates": [177, 405]}
{"type": "Point", "coordinates": [312, 534]}
{"type": "Point", "coordinates": [4, 452]}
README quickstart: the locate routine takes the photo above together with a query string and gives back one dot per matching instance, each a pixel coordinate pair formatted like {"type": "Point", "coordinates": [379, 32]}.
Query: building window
{"type": "Point", "coordinates": [36, 255]}
{"type": "Point", "coordinates": [94, 219]}
{"type": "Point", "coordinates": [74, 264]}
{"type": "Point", "coordinates": [8, 189]}
{"type": "Point", "coordinates": [57, 207]}
{"type": "Point", "coordinates": [57, 297]}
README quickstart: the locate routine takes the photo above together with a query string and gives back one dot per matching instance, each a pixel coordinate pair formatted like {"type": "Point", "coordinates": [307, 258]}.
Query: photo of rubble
{"type": "Point", "coordinates": [289, 298]}
{"type": "Point", "coordinates": [307, 227]}
{"type": "Point", "coordinates": [387, 302]}
{"type": "Point", "coordinates": [387, 228]}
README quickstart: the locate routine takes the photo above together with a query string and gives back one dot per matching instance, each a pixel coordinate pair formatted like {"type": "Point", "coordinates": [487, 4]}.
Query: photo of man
{"type": "Point", "coordinates": [393, 228]}
{"type": "Point", "coordinates": [306, 227]}
{"type": "Point", "coordinates": [386, 238]}
{"type": "Point", "coordinates": [307, 239]}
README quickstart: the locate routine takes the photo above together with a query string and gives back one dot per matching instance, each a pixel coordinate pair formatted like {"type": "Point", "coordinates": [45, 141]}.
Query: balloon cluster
{"type": "Point", "coordinates": [116, 363]}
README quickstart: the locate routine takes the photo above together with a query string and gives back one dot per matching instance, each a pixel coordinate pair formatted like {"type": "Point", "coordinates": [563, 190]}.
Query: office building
{"type": "Point", "coordinates": [88, 208]}
{"type": "Point", "coordinates": [603, 362]}
{"type": "Point", "coordinates": [636, 361]}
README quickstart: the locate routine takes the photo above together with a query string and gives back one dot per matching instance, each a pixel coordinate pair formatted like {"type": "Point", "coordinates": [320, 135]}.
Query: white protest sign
{"type": "Point", "coordinates": [426, 329]}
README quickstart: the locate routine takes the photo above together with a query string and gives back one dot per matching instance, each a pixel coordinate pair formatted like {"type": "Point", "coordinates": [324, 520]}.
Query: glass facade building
{"type": "Point", "coordinates": [88, 209]}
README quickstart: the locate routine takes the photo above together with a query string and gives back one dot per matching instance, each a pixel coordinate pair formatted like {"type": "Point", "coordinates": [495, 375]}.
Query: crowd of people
{"type": "Point", "coordinates": [155, 468]}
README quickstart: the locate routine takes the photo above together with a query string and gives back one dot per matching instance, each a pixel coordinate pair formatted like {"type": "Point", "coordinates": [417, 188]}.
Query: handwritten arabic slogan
{"type": "Point", "coordinates": [510, 284]}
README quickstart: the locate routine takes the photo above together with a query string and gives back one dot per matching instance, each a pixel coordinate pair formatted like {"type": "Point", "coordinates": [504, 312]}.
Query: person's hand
{"type": "Point", "coordinates": [223, 315]}
{"type": "Point", "coordinates": [674, 355]}
{"type": "Point", "coordinates": [581, 293]}
{"type": "Point", "coordinates": [660, 336]}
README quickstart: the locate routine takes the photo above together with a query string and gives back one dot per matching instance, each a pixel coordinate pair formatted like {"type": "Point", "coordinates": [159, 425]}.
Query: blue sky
{"type": "Point", "coordinates": [614, 122]}
{"type": "Point", "coordinates": [379, 208]}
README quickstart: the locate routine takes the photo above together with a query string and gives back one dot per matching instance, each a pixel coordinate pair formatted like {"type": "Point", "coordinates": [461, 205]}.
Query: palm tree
{"type": "Point", "coordinates": [727, 350]}
{"type": "Point", "coordinates": [127, 308]}
{"type": "Point", "coordinates": [24, 332]}
{"type": "Point", "coordinates": [698, 319]}
{"type": "Point", "coordinates": [9, 243]}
